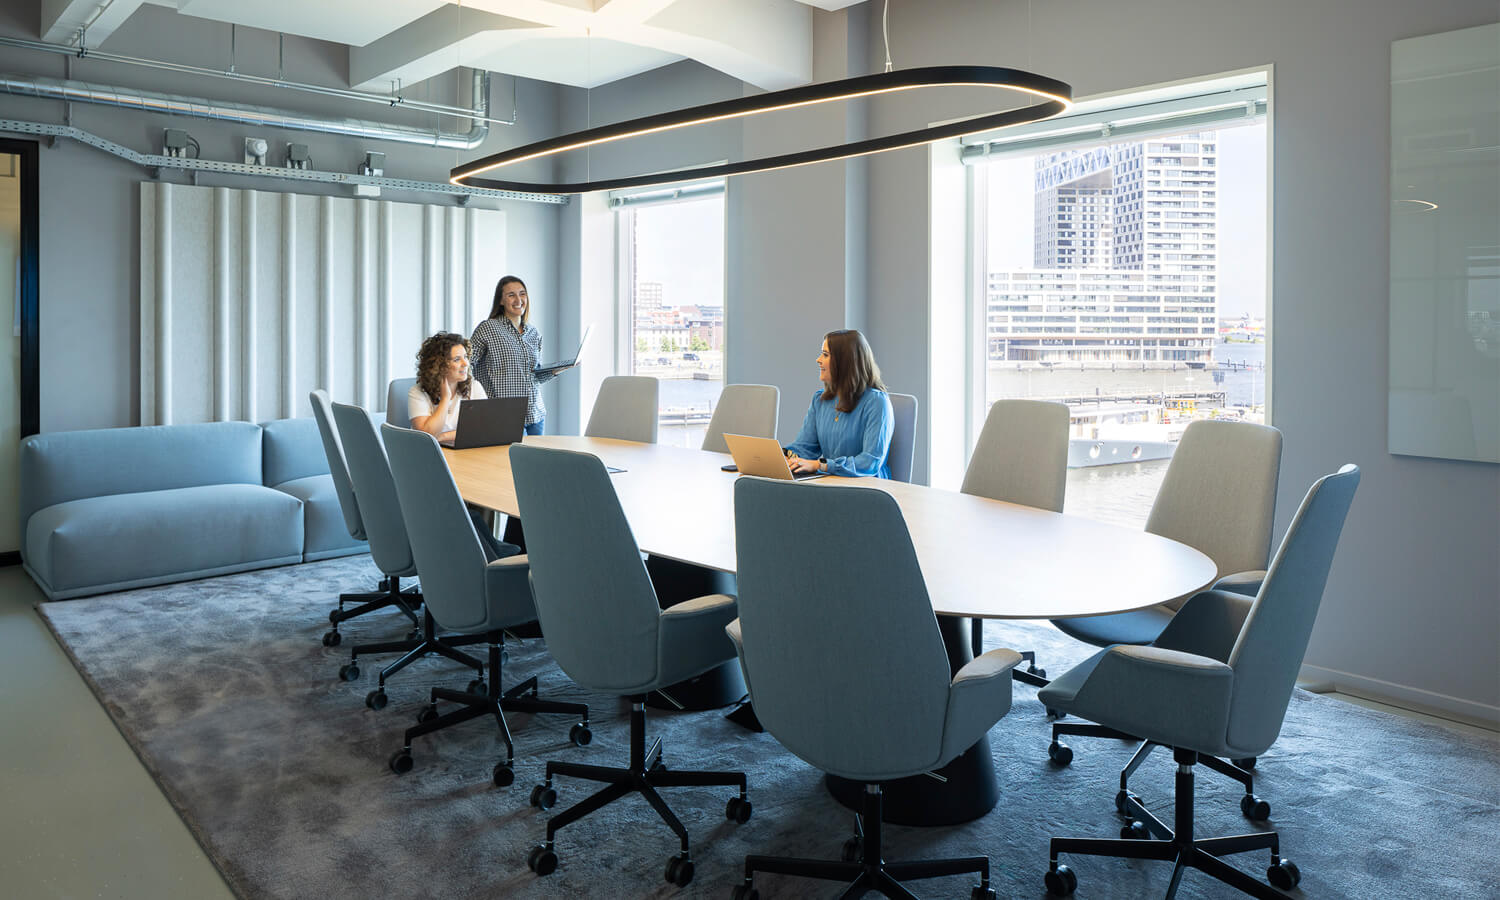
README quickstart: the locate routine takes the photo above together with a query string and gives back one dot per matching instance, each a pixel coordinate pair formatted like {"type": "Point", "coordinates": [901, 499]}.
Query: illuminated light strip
{"type": "Point", "coordinates": [1424, 205]}
{"type": "Point", "coordinates": [1056, 96]}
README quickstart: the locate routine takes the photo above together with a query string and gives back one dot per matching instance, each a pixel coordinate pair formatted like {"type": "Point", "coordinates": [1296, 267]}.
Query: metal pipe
{"type": "Point", "coordinates": [173, 104]}
{"type": "Point", "coordinates": [343, 93]}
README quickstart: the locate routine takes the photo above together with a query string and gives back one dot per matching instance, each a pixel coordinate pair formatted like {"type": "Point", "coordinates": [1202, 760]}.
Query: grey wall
{"type": "Point", "coordinates": [89, 305]}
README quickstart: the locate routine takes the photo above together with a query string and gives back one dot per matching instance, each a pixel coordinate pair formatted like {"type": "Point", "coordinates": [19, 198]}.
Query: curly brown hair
{"type": "Point", "coordinates": [433, 358]}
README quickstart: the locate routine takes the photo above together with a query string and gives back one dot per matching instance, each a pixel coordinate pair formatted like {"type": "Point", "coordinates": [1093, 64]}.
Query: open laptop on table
{"type": "Point", "coordinates": [552, 368]}
{"type": "Point", "coordinates": [764, 457]}
{"type": "Point", "coordinates": [486, 423]}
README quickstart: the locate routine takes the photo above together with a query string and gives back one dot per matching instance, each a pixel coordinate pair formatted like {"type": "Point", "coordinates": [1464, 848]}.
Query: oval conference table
{"type": "Point", "coordinates": [980, 558]}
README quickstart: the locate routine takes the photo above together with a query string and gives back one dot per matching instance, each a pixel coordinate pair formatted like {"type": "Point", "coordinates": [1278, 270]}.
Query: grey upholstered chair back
{"type": "Point", "coordinates": [903, 436]}
{"type": "Point", "coordinates": [1273, 640]}
{"type": "Point", "coordinates": [395, 402]}
{"type": "Point", "coordinates": [371, 475]}
{"type": "Point", "coordinates": [443, 542]}
{"type": "Point", "coordinates": [625, 409]}
{"type": "Point", "coordinates": [752, 409]}
{"type": "Point", "coordinates": [1219, 494]}
{"type": "Point", "coordinates": [1022, 455]}
{"type": "Point", "coordinates": [338, 467]}
{"type": "Point", "coordinates": [840, 645]}
{"type": "Point", "coordinates": [593, 597]}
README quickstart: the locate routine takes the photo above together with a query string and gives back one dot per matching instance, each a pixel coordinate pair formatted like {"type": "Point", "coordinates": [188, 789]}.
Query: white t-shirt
{"type": "Point", "coordinates": [419, 404]}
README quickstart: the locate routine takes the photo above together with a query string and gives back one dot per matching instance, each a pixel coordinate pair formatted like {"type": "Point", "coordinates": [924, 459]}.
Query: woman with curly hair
{"type": "Point", "coordinates": [443, 384]}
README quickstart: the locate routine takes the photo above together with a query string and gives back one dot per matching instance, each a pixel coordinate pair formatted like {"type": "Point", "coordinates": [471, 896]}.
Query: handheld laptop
{"type": "Point", "coordinates": [559, 365]}
{"type": "Point", "coordinates": [488, 422]}
{"type": "Point", "coordinates": [763, 457]}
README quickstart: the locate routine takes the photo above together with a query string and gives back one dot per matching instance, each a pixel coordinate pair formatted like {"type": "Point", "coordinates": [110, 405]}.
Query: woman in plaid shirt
{"type": "Point", "coordinates": [505, 349]}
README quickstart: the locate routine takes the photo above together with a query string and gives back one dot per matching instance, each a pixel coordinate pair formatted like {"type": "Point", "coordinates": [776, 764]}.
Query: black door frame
{"type": "Point", "coordinates": [30, 260]}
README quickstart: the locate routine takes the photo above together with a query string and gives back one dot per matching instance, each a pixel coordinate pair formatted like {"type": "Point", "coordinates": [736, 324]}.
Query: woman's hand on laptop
{"type": "Point", "coordinates": [800, 465]}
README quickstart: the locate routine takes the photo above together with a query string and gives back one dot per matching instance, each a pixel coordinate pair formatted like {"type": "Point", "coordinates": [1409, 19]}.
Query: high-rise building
{"type": "Point", "coordinates": [1125, 249]}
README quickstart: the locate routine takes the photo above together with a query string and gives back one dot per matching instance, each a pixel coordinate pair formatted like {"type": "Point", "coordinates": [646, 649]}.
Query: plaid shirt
{"type": "Point", "coordinates": [502, 358]}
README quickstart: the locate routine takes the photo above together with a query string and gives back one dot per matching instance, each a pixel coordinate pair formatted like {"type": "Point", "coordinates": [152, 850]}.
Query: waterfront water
{"type": "Point", "coordinates": [1243, 387]}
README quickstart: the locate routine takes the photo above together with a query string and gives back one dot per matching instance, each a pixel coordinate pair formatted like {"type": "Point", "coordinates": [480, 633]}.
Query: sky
{"type": "Point", "coordinates": [681, 245]}
{"type": "Point", "coordinates": [1242, 218]}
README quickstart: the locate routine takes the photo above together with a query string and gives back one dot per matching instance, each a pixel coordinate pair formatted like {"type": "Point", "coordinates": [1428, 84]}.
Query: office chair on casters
{"type": "Point", "coordinates": [389, 544]}
{"type": "Point", "coordinates": [390, 593]}
{"type": "Point", "coordinates": [396, 402]}
{"type": "Point", "coordinates": [751, 409]}
{"type": "Point", "coordinates": [822, 675]}
{"type": "Point", "coordinates": [1021, 457]}
{"type": "Point", "coordinates": [606, 630]}
{"type": "Point", "coordinates": [465, 594]}
{"type": "Point", "coordinates": [1210, 686]}
{"type": "Point", "coordinates": [625, 409]}
{"type": "Point", "coordinates": [903, 436]}
{"type": "Point", "coordinates": [1218, 496]}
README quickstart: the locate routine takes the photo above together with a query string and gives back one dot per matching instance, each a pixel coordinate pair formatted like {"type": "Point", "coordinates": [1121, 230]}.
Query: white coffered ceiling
{"type": "Point", "coordinates": [583, 43]}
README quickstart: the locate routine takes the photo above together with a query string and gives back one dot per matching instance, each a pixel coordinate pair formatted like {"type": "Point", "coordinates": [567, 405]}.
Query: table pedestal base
{"type": "Point", "coordinates": [970, 791]}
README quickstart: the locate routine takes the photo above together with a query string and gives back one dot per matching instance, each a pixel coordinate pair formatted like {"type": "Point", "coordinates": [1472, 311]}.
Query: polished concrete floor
{"type": "Point", "coordinates": [82, 818]}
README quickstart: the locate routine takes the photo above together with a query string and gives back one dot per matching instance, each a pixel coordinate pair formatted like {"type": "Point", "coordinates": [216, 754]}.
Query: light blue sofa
{"type": "Point", "coordinates": [123, 508]}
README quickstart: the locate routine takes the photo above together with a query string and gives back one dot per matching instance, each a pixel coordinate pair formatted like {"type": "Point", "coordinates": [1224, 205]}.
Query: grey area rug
{"type": "Point", "coordinates": [226, 693]}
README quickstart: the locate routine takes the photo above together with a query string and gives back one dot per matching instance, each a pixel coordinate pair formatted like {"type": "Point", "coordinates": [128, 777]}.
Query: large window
{"type": "Point", "coordinates": [672, 286]}
{"type": "Point", "coordinates": [1126, 278]}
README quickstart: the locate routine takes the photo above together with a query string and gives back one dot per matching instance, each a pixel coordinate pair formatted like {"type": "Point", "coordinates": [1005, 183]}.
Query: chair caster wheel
{"type": "Point", "coordinates": [745, 892]}
{"type": "Point", "coordinates": [332, 639]}
{"type": "Point", "coordinates": [1245, 762]}
{"type": "Point", "coordinates": [679, 870]}
{"type": "Point", "coordinates": [376, 699]}
{"type": "Point", "coordinates": [1284, 875]}
{"type": "Point", "coordinates": [401, 762]}
{"type": "Point", "coordinates": [1061, 881]}
{"type": "Point", "coordinates": [580, 735]}
{"type": "Point", "coordinates": [658, 766]}
{"type": "Point", "coordinates": [980, 892]}
{"type": "Point", "coordinates": [1059, 753]}
{"type": "Point", "coordinates": [414, 635]}
{"type": "Point", "coordinates": [1135, 831]}
{"type": "Point", "coordinates": [541, 860]}
{"type": "Point", "coordinates": [428, 714]}
{"type": "Point", "coordinates": [1120, 805]}
{"type": "Point", "coordinates": [854, 848]}
{"type": "Point", "coordinates": [1254, 808]}
{"type": "Point", "coordinates": [504, 775]}
{"type": "Point", "coordinates": [477, 686]}
{"type": "Point", "coordinates": [542, 797]}
{"type": "Point", "coordinates": [349, 672]}
{"type": "Point", "coordinates": [737, 810]}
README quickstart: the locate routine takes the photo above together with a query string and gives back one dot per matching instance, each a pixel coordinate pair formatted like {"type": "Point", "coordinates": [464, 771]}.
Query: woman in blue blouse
{"type": "Point", "coordinates": [847, 430]}
{"type": "Point", "coordinates": [506, 347]}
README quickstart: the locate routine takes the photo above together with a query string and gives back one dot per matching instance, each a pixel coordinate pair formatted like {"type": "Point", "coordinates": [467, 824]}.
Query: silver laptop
{"type": "Point", "coordinates": [554, 367]}
{"type": "Point", "coordinates": [489, 422]}
{"type": "Point", "coordinates": [764, 457]}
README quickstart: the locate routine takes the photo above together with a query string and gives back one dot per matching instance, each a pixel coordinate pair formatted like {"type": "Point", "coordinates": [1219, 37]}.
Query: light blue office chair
{"type": "Point", "coordinates": [388, 595]}
{"type": "Point", "coordinates": [625, 409]}
{"type": "Point", "coordinates": [815, 640]}
{"type": "Point", "coordinates": [903, 436]}
{"type": "Point", "coordinates": [752, 409]}
{"type": "Point", "coordinates": [464, 594]}
{"type": "Point", "coordinates": [1021, 457]}
{"type": "Point", "coordinates": [395, 402]}
{"type": "Point", "coordinates": [1215, 683]}
{"type": "Point", "coordinates": [380, 509]}
{"type": "Point", "coordinates": [606, 630]}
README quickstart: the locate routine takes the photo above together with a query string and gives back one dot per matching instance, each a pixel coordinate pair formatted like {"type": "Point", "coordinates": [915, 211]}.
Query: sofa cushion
{"type": "Point", "coordinates": [291, 449]}
{"type": "Point", "coordinates": [71, 465]}
{"type": "Point", "coordinates": [97, 544]}
{"type": "Point", "coordinates": [325, 534]}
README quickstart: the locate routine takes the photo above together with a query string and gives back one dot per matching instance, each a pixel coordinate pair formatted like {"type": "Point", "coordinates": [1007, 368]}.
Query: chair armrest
{"type": "Point", "coordinates": [733, 630]}
{"type": "Point", "coordinates": [1247, 583]}
{"type": "Point", "coordinates": [691, 637]}
{"type": "Point", "coordinates": [1207, 624]}
{"type": "Point", "coordinates": [978, 697]}
{"type": "Point", "coordinates": [709, 603]}
{"type": "Point", "coordinates": [1168, 696]}
{"type": "Point", "coordinates": [509, 580]}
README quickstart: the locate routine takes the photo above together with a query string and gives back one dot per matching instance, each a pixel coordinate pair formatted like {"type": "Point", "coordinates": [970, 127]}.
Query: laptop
{"type": "Point", "coordinates": [555, 367]}
{"type": "Point", "coordinates": [763, 457]}
{"type": "Point", "coordinates": [488, 422]}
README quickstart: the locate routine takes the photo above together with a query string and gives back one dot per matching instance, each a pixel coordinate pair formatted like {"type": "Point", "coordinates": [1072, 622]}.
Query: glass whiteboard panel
{"type": "Point", "coordinates": [1445, 246]}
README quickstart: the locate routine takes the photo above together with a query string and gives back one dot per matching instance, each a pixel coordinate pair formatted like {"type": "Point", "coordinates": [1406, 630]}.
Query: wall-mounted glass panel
{"type": "Point", "coordinates": [1445, 245]}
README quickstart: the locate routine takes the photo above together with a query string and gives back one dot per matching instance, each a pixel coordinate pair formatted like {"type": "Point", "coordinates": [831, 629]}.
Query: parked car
{"type": "Point", "coordinates": [690, 356]}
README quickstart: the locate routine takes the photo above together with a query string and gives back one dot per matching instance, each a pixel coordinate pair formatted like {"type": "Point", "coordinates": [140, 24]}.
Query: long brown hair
{"type": "Point", "coordinates": [851, 368]}
{"type": "Point", "coordinates": [497, 308]}
{"type": "Point", "coordinates": [433, 358]}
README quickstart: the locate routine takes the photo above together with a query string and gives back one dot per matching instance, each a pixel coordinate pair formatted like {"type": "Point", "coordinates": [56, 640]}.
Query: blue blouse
{"type": "Point", "coordinates": [854, 443]}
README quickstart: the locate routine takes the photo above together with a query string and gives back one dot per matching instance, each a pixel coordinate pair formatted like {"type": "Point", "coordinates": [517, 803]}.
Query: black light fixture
{"type": "Point", "coordinates": [1053, 97]}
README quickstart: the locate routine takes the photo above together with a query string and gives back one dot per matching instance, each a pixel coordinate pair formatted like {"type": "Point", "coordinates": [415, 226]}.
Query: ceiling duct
{"type": "Point", "coordinates": [172, 104]}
